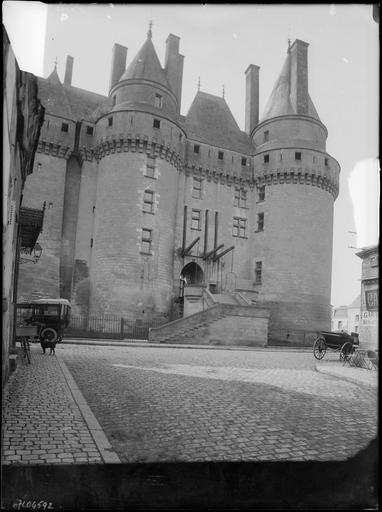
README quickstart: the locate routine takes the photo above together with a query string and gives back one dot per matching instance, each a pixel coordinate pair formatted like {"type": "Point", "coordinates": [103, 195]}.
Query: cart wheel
{"type": "Point", "coordinates": [319, 348]}
{"type": "Point", "coordinates": [346, 351]}
{"type": "Point", "coordinates": [49, 334]}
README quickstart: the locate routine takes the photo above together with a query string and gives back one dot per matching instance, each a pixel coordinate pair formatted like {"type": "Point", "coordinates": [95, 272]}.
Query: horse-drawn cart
{"type": "Point", "coordinates": [340, 341]}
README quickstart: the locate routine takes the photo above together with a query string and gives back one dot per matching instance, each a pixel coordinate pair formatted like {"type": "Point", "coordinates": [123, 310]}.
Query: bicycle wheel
{"type": "Point", "coordinates": [346, 351]}
{"type": "Point", "coordinates": [319, 348]}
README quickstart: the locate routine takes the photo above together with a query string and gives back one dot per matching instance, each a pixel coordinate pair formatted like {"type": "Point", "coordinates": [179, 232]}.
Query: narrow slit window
{"type": "Point", "coordinates": [266, 136]}
{"type": "Point", "coordinates": [110, 121]}
{"type": "Point", "coordinates": [260, 222]}
{"type": "Point", "coordinates": [266, 159]}
{"type": "Point", "coordinates": [196, 148]}
{"type": "Point", "coordinates": [156, 123]}
{"type": "Point", "coordinates": [258, 272]}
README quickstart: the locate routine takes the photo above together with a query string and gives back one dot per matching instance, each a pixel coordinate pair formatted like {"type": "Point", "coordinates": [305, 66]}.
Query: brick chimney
{"type": "Point", "coordinates": [68, 70]}
{"type": "Point", "coordinates": [174, 66]}
{"type": "Point", "coordinates": [118, 64]}
{"type": "Point", "coordinates": [299, 77]}
{"type": "Point", "coordinates": [251, 97]}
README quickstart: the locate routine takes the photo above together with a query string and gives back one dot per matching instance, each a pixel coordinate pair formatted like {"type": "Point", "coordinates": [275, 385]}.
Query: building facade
{"type": "Point", "coordinates": [142, 200]}
{"type": "Point", "coordinates": [347, 318]}
{"type": "Point", "coordinates": [22, 119]}
{"type": "Point", "coordinates": [369, 297]}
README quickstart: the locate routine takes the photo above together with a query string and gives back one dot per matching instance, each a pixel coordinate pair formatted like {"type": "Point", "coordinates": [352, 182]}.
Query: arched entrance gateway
{"type": "Point", "coordinates": [192, 274]}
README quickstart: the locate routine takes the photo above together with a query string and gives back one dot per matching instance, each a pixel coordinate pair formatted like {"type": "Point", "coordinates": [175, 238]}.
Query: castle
{"type": "Point", "coordinates": [142, 201]}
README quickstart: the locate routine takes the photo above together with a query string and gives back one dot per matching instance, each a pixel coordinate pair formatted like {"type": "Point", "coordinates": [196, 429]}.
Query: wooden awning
{"type": "Point", "coordinates": [31, 222]}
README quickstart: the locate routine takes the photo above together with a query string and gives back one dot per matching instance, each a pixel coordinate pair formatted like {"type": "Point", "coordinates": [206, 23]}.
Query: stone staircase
{"type": "Point", "coordinates": [226, 320]}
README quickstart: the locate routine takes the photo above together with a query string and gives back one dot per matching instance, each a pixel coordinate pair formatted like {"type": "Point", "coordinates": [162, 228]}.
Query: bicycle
{"type": "Point", "coordinates": [25, 349]}
{"type": "Point", "coordinates": [23, 335]}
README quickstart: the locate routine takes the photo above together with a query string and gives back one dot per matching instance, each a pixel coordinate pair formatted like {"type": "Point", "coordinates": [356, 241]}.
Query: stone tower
{"type": "Point", "coordinates": [140, 146]}
{"type": "Point", "coordinates": [301, 184]}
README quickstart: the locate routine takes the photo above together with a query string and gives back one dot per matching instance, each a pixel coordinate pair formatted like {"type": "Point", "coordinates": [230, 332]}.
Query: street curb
{"type": "Point", "coordinates": [353, 380]}
{"type": "Point", "coordinates": [100, 439]}
{"type": "Point", "coordinates": [122, 343]}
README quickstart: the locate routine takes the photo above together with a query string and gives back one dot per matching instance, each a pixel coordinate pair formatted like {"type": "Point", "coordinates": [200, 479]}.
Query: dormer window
{"type": "Point", "coordinates": [158, 100]}
{"type": "Point", "coordinates": [156, 123]}
{"type": "Point", "coordinates": [64, 127]}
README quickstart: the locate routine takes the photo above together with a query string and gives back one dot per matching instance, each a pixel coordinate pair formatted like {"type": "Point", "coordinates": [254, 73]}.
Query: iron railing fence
{"type": "Point", "coordinates": [110, 326]}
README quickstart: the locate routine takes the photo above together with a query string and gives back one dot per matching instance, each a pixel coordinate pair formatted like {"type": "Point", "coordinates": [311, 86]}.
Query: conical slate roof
{"type": "Point", "coordinates": [146, 66]}
{"type": "Point", "coordinates": [210, 120]}
{"type": "Point", "coordinates": [280, 103]}
{"type": "Point", "coordinates": [68, 101]}
{"type": "Point", "coordinates": [53, 97]}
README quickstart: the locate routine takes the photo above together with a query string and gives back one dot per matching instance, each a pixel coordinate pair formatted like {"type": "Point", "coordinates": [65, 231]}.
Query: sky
{"type": "Point", "coordinates": [219, 41]}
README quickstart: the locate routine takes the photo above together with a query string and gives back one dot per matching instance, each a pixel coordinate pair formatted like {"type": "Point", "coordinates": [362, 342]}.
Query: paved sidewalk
{"type": "Point", "coordinates": [45, 418]}
{"type": "Point", "coordinates": [361, 376]}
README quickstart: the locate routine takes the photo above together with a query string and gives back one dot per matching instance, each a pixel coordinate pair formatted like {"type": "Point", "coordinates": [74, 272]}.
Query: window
{"type": "Point", "coordinates": [150, 167]}
{"type": "Point", "coordinates": [64, 127]}
{"type": "Point", "coordinates": [266, 136]}
{"type": "Point", "coordinates": [297, 155]}
{"type": "Point", "coordinates": [258, 272]}
{"type": "Point", "coordinates": [356, 328]}
{"type": "Point", "coordinates": [261, 193]}
{"type": "Point", "coordinates": [239, 227]}
{"type": "Point", "coordinates": [326, 162]}
{"type": "Point", "coordinates": [148, 201]}
{"type": "Point", "coordinates": [357, 318]}
{"type": "Point", "coordinates": [196, 219]}
{"type": "Point", "coordinates": [221, 155]}
{"type": "Point", "coordinates": [146, 240]}
{"type": "Point", "coordinates": [158, 101]}
{"type": "Point", "coordinates": [196, 148]}
{"type": "Point", "coordinates": [260, 222]}
{"type": "Point", "coordinates": [110, 121]}
{"type": "Point", "coordinates": [339, 325]}
{"type": "Point", "coordinates": [314, 159]}
{"type": "Point", "coordinates": [91, 242]}
{"type": "Point", "coordinates": [197, 188]}
{"type": "Point", "coordinates": [266, 159]}
{"type": "Point", "coordinates": [89, 130]}
{"type": "Point", "coordinates": [156, 123]}
{"type": "Point", "coordinates": [240, 197]}
{"type": "Point", "coordinates": [114, 100]}
{"type": "Point", "coordinates": [93, 209]}
{"type": "Point", "coordinates": [281, 156]}
{"type": "Point", "coordinates": [243, 161]}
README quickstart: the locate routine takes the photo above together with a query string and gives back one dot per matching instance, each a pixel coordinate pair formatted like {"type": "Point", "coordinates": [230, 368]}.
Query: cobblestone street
{"type": "Point", "coordinates": [161, 404]}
